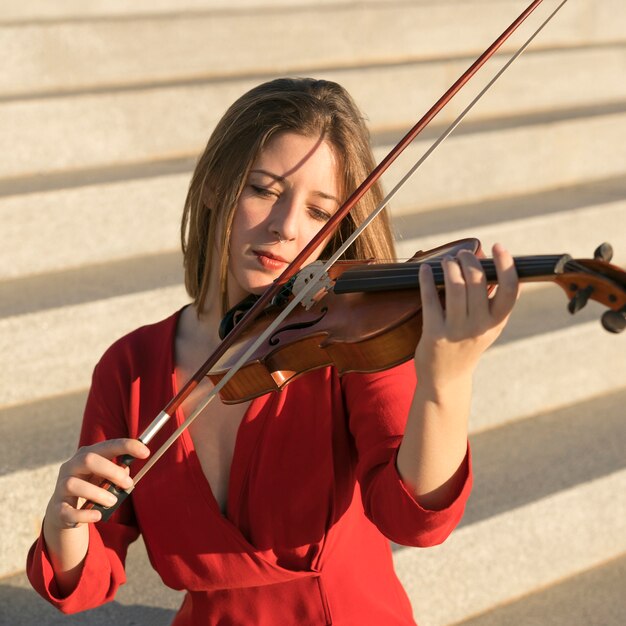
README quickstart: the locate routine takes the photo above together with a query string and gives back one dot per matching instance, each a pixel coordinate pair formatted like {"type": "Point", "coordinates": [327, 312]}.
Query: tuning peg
{"type": "Point", "coordinates": [614, 321]}
{"type": "Point", "coordinates": [580, 299]}
{"type": "Point", "coordinates": [604, 252]}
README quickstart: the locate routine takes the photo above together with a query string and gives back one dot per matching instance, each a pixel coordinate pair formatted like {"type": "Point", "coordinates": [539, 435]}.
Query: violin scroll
{"type": "Point", "coordinates": [596, 279]}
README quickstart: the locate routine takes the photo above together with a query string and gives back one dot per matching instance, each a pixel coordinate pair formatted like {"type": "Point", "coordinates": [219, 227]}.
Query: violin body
{"type": "Point", "coordinates": [370, 319]}
{"type": "Point", "coordinates": [374, 339]}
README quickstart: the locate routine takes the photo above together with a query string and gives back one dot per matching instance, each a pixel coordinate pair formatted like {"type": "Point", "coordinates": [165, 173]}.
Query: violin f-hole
{"type": "Point", "coordinates": [274, 340]}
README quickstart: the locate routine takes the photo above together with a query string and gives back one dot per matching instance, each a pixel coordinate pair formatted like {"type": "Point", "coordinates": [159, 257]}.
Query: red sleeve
{"type": "Point", "coordinates": [103, 568]}
{"type": "Point", "coordinates": [378, 406]}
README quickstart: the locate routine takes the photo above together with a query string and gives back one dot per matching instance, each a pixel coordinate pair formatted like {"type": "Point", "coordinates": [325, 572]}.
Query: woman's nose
{"type": "Point", "coordinates": [284, 218]}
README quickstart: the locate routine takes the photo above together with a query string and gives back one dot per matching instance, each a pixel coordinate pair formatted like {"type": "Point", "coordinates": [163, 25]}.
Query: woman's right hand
{"type": "Point", "coordinates": [65, 529]}
{"type": "Point", "coordinates": [79, 479]}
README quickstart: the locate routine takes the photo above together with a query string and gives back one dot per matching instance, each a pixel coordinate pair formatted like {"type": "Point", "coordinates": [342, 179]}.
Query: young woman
{"type": "Point", "coordinates": [278, 510]}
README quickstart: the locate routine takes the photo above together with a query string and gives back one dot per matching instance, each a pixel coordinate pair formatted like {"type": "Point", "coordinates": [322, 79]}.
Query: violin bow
{"type": "Point", "coordinates": [313, 282]}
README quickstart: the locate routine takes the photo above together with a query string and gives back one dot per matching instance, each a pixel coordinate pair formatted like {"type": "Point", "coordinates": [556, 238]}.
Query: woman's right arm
{"type": "Point", "coordinates": [65, 527]}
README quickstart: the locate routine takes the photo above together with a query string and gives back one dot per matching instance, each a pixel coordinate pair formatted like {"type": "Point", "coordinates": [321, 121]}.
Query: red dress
{"type": "Point", "coordinates": [314, 497]}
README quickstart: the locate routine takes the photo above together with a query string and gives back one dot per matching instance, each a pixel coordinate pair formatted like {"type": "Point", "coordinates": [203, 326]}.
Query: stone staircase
{"type": "Point", "coordinates": [104, 107]}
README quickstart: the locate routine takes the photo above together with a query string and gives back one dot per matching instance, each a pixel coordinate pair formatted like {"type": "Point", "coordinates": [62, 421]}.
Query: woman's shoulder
{"type": "Point", "coordinates": [141, 345]}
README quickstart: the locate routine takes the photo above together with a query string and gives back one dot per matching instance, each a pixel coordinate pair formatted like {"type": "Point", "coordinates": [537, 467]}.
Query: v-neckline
{"type": "Point", "coordinates": [247, 436]}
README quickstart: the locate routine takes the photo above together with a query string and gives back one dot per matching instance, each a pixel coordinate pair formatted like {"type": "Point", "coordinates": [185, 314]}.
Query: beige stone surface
{"type": "Point", "coordinates": [595, 596]}
{"type": "Point", "coordinates": [469, 167]}
{"type": "Point", "coordinates": [25, 495]}
{"type": "Point", "coordinates": [25, 10]}
{"type": "Point", "coordinates": [542, 372]}
{"type": "Point", "coordinates": [145, 48]}
{"type": "Point", "coordinates": [507, 555]}
{"type": "Point", "coordinates": [64, 228]}
{"type": "Point", "coordinates": [54, 351]}
{"type": "Point", "coordinates": [112, 221]}
{"type": "Point", "coordinates": [482, 161]}
{"type": "Point", "coordinates": [575, 231]}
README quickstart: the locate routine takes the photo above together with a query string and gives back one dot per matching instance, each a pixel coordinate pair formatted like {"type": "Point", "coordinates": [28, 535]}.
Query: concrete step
{"type": "Point", "coordinates": [45, 57]}
{"type": "Point", "coordinates": [59, 347]}
{"type": "Point", "coordinates": [483, 159]}
{"type": "Point", "coordinates": [81, 230]}
{"type": "Point", "coordinates": [98, 223]}
{"type": "Point", "coordinates": [539, 80]}
{"type": "Point", "coordinates": [536, 366]}
{"type": "Point", "coordinates": [89, 283]}
{"type": "Point", "coordinates": [593, 598]}
{"type": "Point", "coordinates": [509, 157]}
{"type": "Point", "coordinates": [142, 601]}
{"type": "Point", "coordinates": [544, 487]}
{"type": "Point", "coordinates": [537, 506]}
{"type": "Point", "coordinates": [571, 220]}
{"type": "Point", "coordinates": [39, 10]}
{"type": "Point", "coordinates": [509, 555]}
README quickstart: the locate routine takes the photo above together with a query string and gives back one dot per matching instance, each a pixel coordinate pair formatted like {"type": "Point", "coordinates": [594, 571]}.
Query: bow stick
{"type": "Point", "coordinates": [313, 284]}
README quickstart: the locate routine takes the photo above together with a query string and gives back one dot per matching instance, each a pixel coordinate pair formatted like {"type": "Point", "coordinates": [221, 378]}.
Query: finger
{"type": "Point", "coordinates": [432, 311]}
{"type": "Point", "coordinates": [507, 291]}
{"type": "Point", "coordinates": [73, 488]}
{"type": "Point", "coordinates": [104, 469]}
{"type": "Point", "coordinates": [88, 463]}
{"type": "Point", "coordinates": [109, 449]}
{"type": "Point", "coordinates": [456, 295]}
{"type": "Point", "coordinates": [476, 286]}
{"type": "Point", "coordinates": [72, 517]}
{"type": "Point", "coordinates": [112, 448]}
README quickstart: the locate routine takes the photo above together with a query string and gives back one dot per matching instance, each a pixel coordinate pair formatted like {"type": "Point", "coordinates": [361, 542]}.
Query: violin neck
{"type": "Point", "coordinates": [392, 276]}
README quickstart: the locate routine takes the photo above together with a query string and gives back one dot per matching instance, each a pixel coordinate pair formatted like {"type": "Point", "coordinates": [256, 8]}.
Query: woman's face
{"type": "Point", "coordinates": [292, 190]}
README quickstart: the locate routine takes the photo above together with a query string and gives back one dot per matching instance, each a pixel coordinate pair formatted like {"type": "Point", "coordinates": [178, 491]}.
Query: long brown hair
{"type": "Point", "coordinates": [306, 106]}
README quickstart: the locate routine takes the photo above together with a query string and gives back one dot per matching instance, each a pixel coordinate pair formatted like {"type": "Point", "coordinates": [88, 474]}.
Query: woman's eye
{"type": "Point", "coordinates": [319, 214]}
{"type": "Point", "coordinates": [264, 192]}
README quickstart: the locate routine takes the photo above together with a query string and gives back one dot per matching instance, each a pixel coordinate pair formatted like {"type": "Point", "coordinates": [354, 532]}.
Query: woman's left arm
{"type": "Point", "coordinates": [431, 456]}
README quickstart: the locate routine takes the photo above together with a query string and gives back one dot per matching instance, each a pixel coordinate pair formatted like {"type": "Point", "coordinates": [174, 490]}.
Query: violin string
{"type": "Point", "coordinates": [407, 273]}
{"type": "Point", "coordinates": [313, 284]}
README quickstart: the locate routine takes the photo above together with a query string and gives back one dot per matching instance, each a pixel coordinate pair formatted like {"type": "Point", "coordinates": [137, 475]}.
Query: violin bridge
{"type": "Point", "coordinates": [303, 281]}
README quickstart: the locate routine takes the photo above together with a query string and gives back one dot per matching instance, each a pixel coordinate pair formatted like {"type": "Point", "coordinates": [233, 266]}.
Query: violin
{"type": "Point", "coordinates": [367, 316]}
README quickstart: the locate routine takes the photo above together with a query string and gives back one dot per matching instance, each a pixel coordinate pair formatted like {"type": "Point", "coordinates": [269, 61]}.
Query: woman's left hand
{"type": "Point", "coordinates": [454, 339]}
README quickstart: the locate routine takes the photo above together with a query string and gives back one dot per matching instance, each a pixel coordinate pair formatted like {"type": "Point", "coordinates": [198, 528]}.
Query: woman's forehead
{"type": "Point", "coordinates": [288, 156]}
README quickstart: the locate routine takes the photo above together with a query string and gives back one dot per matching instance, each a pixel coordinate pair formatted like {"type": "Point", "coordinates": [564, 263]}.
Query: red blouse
{"type": "Point", "coordinates": [314, 497]}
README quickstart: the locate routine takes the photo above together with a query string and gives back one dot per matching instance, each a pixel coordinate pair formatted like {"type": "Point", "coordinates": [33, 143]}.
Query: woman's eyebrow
{"type": "Point", "coordinates": [283, 180]}
{"type": "Point", "coordinates": [276, 177]}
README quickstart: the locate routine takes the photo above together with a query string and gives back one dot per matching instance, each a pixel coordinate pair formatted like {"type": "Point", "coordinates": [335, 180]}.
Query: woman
{"type": "Point", "coordinates": [278, 510]}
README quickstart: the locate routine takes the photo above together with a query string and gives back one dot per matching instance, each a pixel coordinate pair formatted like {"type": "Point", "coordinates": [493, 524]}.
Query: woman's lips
{"type": "Point", "coordinates": [270, 261]}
